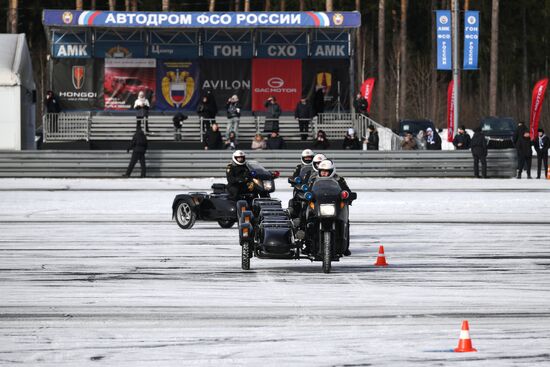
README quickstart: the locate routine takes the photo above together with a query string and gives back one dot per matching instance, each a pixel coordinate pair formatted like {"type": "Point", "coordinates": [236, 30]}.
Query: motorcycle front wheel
{"type": "Point", "coordinates": [327, 255]}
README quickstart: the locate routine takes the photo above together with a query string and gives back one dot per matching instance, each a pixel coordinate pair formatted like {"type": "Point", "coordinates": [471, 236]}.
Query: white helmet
{"type": "Point", "coordinates": [239, 157]}
{"type": "Point", "coordinates": [316, 160]}
{"type": "Point", "coordinates": [328, 166]}
{"type": "Point", "coordinates": [307, 156]}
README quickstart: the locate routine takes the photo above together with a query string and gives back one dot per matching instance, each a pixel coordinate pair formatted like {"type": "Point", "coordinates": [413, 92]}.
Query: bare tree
{"type": "Point", "coordinates": [78, 5]}
{"type": "Point", "coordinates": [267, 5]}
{"type": "Point", "coordinates": [403, 61]}
{"type": "Point", "coordinates": [380, 100]}
{"type": "Point", "coordinates": [466, 4]}
{"type": "Point", "coordinates": [127, 5]}
{"type": "Point", "coordinates": [237, 5]}
{"type": "Point", "coordinates": [165, 5]}
{"type": "Point", "coordinates": [112, 5]}
{"type": "Point", "coordinates": [283, 5]}
{"type": "Point", "coordinates": [92, 4]}
{"type": "Point", "coordinates": [246, 5]}
{"type": "Point", "coordinates": [330, 5]}
{"type": "Point", "coordinates": [212, 5]}
{"type": "Point", "coordinates": [433, 65]}
{"type": "Point", "coordinates": [302, 5]}
{"type": "Point", "coordinates": [12, 16]}
{"type": "Point", "coordinates": [359, 48]}
{"type": "Point", "coordinates": [134, 5]}
{"type": "Point", "coordinates": [493, 80]}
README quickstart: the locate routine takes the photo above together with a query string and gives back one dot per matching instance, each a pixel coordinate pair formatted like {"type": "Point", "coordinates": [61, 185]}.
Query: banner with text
{"type": "Point", "coordinates": [177, 85]}
{"type": "Point", "coordinates": [443, 35]}
{"type": "Point", "coordinates": [78, 83]}
{"type": "Point", "coordinates": [279, 78]}
{"type": "Point", "coordinates": [536, 106]}
{"type": "Point", "coordinates": [367, 89]}
{"type": "Point", "coordinates": [125, 78]}
{"type": "Point", "coordinates": [471, 39]}
{"type": "Point", "coordinates": [226, 78]}
{"type": "Point", "coordinates": [450, 112]}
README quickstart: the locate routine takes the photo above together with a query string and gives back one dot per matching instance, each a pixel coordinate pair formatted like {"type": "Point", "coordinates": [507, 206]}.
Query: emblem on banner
{"type": "Point", "coordinates": [471, 20]}
{"type": "Point", "coordinates": [338, 19]}
{"type": "Point", "coordinates": [78, 73]}
{"type": "Point", "coordinates": [443, 19]}
{"type": "Point", "coordinates": [324, 80]}
{"type": "Point", "coordinates": [118, 52]}
{"type": "Point", "coordinates": [67, 17]}
{"type": "Point", "coordinates": [178, 88]}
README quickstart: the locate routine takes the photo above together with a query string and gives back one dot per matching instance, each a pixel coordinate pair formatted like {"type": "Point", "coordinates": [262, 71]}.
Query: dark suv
{"type": "Point", "coordinates": [499, 131]}
{"type": "Point", "coordinates": [414, 126]}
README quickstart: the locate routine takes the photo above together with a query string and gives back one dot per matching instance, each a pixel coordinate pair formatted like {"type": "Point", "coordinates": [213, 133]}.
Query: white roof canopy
{"type": "Point", "coordinates": [15, 62]}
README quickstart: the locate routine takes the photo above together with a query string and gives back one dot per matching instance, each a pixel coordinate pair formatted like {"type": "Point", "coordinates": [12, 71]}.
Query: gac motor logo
{"type": "Point", "coordinates": [67, 17]}
{"type": "Point", "coordinates": [275, 82]}
{"type": "Point", "coordinates": [78, 73]}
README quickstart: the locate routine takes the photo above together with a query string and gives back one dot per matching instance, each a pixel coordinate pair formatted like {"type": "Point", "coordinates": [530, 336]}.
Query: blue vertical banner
{"type": "Point", "coordinates": [444, 45]}
{"type": "Point", "coordinates": [471, 39]}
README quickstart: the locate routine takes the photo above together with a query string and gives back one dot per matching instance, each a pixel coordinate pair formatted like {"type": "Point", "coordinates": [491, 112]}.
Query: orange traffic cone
{"type": "Point", "coordinates": [381, 260]}
{"type": "Point", "coordinates": [465, 343]}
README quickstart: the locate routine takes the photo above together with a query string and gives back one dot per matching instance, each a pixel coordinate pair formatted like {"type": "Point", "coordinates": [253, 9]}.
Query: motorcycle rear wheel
{"type": "Point", "coordinates": [226, 223]}
{"type": "Point", "coordinates": [185, 215]}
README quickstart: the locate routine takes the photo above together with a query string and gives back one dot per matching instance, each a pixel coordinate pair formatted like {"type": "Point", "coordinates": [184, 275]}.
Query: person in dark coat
{"type": "Point", "coordinates": [351, 141]}
{"type": "Point", "coordinates": [519, 132]}
{"type": "Point", "coordinates": [178, 124]}
{"type": "Point", "coordinates": [238, 175]}
{"type": "Point", "coordinates": [275, 141]}
{"type": "Point", "coordinates": [319, 100]}
{"type": "Point", "coordinates": [273, 113]}
{"type": "Point", "coordinates": [479, 152]}
{"type": "Point", "coordinates": [361, 105]}
{"type": "Point", "coordinates": [52, 105]}
{"type": "Point", "coordinates": [303, 113]}
{"type": "Point", "coordinates": [432, 139]}
{"type": "Point", "coordinates": [525, 154]}
{"type": "Point", "coordinates": [139, 147]}
{"type": "Point", "coordinates": [462, 139]}
{"type": "Point", "coordinates": [206, 110]}
{"type": "Point", "coordinates": [321, 141]}
{"type": "Point", "coordinates": [373, 140]}
{"type": "Point", "coordinates": [213, 138]}
{"type": "Point", "coordinates": [231, 142]}
{"type": "Point", "coordinates": [542, 143]}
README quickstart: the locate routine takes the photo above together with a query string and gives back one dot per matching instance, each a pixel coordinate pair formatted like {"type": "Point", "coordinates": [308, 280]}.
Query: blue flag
{"type": "Point", "coordinates": [471, 39]}
{"type": "Point", "coordinates": [444, 46]}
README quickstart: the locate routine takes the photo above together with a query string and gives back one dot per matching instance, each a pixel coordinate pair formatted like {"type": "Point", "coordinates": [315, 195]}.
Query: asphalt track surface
{"type": "Point", "coordinates": [94, 272]}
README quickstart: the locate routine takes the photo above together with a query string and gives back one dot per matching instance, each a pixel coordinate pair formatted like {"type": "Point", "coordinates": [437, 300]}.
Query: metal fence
{"type": "Point", "coordinates": [388, 139]}
{"type": "Point", "coordinates": [66, 126]}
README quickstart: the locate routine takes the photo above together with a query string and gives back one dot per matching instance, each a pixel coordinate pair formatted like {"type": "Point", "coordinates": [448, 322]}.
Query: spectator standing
{"type": "Point", "coordinates": [213, 138]}
{"type": "Point", "coordinates": [479, 152]}
{"type": "Point", "coordinates": [142, 106]}
{"type": "Point", "coordinates": [139, 147]}
{"type": "Point", "coordinates": [361, 105]}
{"type": "Point", "coordinates": [462, 139]}
{"type": "Point", "coordinates": [231, 141]}
{"type": "Point", "coordinates": [319, 100]}
{"type": "Point", "coordinates": [275, 141]}
{"type": "Point", "coordinates": [233, 115]}
{"type": "Point", "coordinates": [273, 114]}
{"type": "Point", "coordinates": [521, 128]}
{"type": "Point", "coordinates": [525, 154]}
{"type": "Point", "coordinates": [207, 112]}
{"type": "Point", "coordinates": [258, 143]}
{"type": "Point", "coordinates": [321, 141]}
{"type": "Point", "coordinates": [52, 107]}
{"type": "Point", "coordinates": [409, 143]}
{"type": "Point", "coordinates": [373, 139]}
{"type": "Point", "coordinates": [303, 113]}
{"type": "Point", "coordinates": [351, 141]}
{"type": "Point", "coordinates": [178, 120]}
{"type": "Point", "coordinates": [433, 140]}
{"type": "Point", "coordinates": [542, 143]}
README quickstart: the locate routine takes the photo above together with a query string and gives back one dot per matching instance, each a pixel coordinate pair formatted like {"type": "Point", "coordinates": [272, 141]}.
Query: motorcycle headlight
{"type": "Point", "coordinates": [268, 185]}
{"type": "Point", "coordinates": [257, 182]}
{"type": "Point", "coordinates": [327, 210]}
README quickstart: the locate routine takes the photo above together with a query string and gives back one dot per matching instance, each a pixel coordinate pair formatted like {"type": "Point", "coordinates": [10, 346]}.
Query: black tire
{"type": "Point", "coordinates": [185, 214]}
{"type": "Point", "coordinates": [226, 223]}
{"type": "Point", "coordinates": [327, 255]}
{"type": "Point", "coordinates": [245, 256]}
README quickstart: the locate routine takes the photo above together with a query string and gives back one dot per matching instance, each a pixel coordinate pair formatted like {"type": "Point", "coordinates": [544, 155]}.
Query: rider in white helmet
{"type": "Point", "coordinates": [314, 165]}
{"type": "Point", "coordinates": [238, 175]}
{"type": "Point", "coordinates": [303, 168]}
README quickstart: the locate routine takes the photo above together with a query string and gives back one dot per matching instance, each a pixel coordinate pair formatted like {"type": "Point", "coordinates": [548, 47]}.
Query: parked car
{"type": "Point", "coordinates": [499, 131]}
{"type": "Point", "coordinates": [414, 126]}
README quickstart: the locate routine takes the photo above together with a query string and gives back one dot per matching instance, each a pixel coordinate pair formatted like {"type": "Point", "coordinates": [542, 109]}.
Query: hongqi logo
{"type": "Point", "coordinates": [275, 82]}
{"type": "Point", "coordinates": [78, 76]}
{"type": "Point", "coordinates": [67, 17]}
{"type": "Point", "coordinates": [443, 19]}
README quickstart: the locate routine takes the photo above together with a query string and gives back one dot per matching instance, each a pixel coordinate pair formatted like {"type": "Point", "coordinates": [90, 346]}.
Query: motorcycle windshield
{"type": "Point", "coordinates": [326, 190]}
{"type": "Point", "coordinates": [261, 172]}
{"type": "Point", "coordinates": [304, 171]}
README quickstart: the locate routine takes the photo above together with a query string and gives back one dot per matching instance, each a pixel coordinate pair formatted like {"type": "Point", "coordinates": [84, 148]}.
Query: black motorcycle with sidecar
{"type": "Point", "coordinates": [217, 206]}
